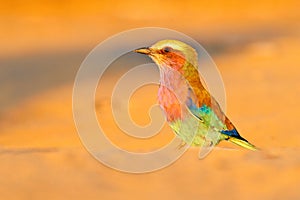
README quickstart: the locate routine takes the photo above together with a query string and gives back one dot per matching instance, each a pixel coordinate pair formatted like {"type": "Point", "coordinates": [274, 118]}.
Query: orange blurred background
{"type": "Point", "coordinates": [255, 46]}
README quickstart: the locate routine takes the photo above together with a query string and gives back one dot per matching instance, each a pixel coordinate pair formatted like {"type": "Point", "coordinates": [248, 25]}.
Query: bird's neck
{"type": "Point", "coordinates": [172, 93]}
{"type": "Point", "coordinates": [175, 89]}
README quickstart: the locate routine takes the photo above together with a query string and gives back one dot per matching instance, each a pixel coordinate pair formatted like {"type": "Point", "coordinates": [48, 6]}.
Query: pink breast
{"type": "Point", "coordinates": [169, 103]}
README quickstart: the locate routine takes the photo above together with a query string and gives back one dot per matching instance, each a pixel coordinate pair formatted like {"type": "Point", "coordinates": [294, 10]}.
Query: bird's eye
{"type": "Point", "coordinates": [167, 49]}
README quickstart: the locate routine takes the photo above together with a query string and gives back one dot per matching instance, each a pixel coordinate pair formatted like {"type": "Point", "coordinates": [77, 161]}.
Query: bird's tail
{"type": "Point", "coordinates": [242, 142]}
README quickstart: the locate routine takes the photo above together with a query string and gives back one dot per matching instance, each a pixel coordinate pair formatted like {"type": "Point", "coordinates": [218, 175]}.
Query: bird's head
{"type": "Point", "coordinates": [171, 53]}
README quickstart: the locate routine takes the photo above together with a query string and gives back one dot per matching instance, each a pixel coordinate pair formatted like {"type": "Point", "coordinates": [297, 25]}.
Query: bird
{"type": "Point", "coordinates": [191, 111]}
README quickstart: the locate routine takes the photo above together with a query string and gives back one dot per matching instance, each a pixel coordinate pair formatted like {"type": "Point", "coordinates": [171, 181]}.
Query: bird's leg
{"type": "Point", "coordinates": [181, 145]}
{"type": "Point", "coordinates": [206, 148]}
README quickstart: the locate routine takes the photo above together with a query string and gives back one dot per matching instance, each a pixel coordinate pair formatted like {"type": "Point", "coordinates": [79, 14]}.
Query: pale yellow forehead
{"type": "Point", "coordinates": [175, 44]}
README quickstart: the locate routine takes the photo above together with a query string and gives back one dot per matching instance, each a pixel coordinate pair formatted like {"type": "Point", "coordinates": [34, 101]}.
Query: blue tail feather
{"type": "Point", "coordinates": [233, 133]}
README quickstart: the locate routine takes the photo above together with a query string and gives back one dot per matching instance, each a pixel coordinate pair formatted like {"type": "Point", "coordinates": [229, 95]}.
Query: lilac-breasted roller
{"type": "Point", "coordinates": [193, 114]}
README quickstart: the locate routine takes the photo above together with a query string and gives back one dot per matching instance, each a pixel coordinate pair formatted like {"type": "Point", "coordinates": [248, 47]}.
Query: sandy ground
{"type": "Point", "coordinates": [42, 156]}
